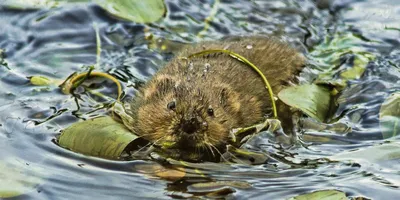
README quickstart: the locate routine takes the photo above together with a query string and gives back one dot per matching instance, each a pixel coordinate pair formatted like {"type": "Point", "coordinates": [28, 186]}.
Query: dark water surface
{"type": "Point", "coordinates": [57, 42]}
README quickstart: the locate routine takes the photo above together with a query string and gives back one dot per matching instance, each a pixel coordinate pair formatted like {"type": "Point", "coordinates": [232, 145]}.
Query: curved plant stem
{"type": "Point", "coordinates": [209, 18]}
{"type": "Point", "coordinates": [83, 76]}
{"type": "Point", "coordinates": [247, 62]}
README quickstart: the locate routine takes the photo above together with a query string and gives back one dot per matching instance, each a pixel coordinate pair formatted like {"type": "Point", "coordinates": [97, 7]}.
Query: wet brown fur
{"type": "Point", "coordinates": [232, 89]}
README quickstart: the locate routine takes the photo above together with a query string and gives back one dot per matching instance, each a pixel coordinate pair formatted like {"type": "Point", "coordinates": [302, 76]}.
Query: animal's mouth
{"type": "Point", "coordinates": [192, 140]}
{"type": "Point", "coordinates": [191, 148]}
{"type": "Point", "coordinates": [192, 126]}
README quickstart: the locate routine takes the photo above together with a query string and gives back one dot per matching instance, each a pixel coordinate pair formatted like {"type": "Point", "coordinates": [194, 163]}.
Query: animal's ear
{"type": "Point", "coordinates": [165, 83]}
{"type": "Point", "coordinates": [159, 85]}
{"type": "Point", "coordinates": [229, 99]}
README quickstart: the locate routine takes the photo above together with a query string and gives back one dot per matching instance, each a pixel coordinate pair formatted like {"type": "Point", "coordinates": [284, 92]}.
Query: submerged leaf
{"type": "Point", "coordinates": [135, 10]}
{"type": "Point", "coordinates": [389, 116]}
{"type": "Point", "coordinates": [313, 100]}
{"type": "Point", "coordinates": [160, 171]}
{"type": "Point", "coordinates": [331, 54]}
{"type": "Point", "coordinates": [322, 195]}
{"type": "Point", "coordinates": [373, 154]}
{"type": "Point", "coordinates": [102, 137]}
{"type": "Point", "coordinates": [218, 185]}
{"type": "Point", "coordinates": [17, 179]}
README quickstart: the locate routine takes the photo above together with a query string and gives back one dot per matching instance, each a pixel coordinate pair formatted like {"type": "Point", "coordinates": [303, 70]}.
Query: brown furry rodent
{"type": "Point", "coordinates": [190, 105]}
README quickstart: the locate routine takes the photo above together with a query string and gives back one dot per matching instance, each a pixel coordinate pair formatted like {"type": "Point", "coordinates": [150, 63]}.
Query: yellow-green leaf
{"type": "Point", "coordinates": [139, 11]}
{"type": "Point", "coordinates": [313, 100]}
{"type": "Point", "coordinates": [322, 195]}
{"type": "Point", "coordinates": [389, 116]}
{"type": "Point", "coordinates": [41, 81]}
{"type": "Point", "coordinates": [102, 137]}
{"type": "Point", "coordinates": [31, 4]}
{"type": "Point", "coordinates": [216, 185]}
{"type": "Point", "coordinates": [359, 65]}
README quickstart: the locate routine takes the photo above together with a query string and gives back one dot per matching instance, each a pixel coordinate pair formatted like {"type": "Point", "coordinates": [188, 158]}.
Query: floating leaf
{"type": "Point", "coordinates": [139, 11]}
{"type": "Point", "coordinates": [102, 137]}
{"type": "Point", "coordinates": [313, 100]}
{"type": "Point", "coordinates": [135, 10]}
{"type": "Point", "coordinates": [41, 81]}
{"type": "Point", "coordinates": [17, 179]}
{"type": "Point", "coordinates": [389, 116]}
{"type": "Point", "coordinates": [373, 154]}
{"type": "Point", "coordinates": [244, 156]}
{"type": "Point", "coordinates": [31, 4]}
{"type": "Point", "coordinates": [322, 195]}
{"type": "Point", "coordinates": [357, 70]}
{"type": "Point", "coordinates": [328, 57]}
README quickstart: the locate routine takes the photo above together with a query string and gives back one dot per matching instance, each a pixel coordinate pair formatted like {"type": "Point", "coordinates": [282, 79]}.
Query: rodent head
{"type": "Point", "coordinates": [188, 118]}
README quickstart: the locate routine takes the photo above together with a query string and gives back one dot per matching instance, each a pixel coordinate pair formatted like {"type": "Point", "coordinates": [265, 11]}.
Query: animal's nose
{"type": "Point", "coordinates": [191, 125]}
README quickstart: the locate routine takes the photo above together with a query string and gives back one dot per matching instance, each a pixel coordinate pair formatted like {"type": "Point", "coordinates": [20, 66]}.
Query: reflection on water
{"type": "Point", "coordinates": [57, 42]}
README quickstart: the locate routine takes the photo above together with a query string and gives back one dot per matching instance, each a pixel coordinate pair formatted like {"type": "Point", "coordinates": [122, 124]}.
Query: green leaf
{"type": "Point", "coordinates": [328, 56]}
{"type": "Point", "coordinates": [355, 72]}
{"type": "Point", "coordinates": [101, 137]}
{"type": "Point", "coordinates": [139, 11]}
{"type": "Point", "coordinates": [31, 4]}
{"type": "Point", "coordinates": [17, 178]}
{"type": "Point", "coordinates": [322, 195]}
{"type": "Point", "coordinates": [389, 116]}
{"type": "Point", "coordinates": [313, 100]}
{"type": "Point", "coordinates": [41, 81]}
{"type": "Point", "coordinates": [244, 156]}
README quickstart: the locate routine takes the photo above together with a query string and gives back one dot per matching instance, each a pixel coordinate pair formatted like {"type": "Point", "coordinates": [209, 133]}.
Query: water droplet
{"type": "Point", "coordinates": [206, 67]}
{"type": "Point", "coordinates": [190, 66]}
{"type": "Point", "coordinates": [249, 46]}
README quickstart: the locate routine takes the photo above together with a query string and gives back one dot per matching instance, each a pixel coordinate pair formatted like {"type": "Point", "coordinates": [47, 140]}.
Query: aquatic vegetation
{"type": "Point", "coordinates": [102, 137]}
{"type": "Point", "coordinates": [389, 116]}
{"type": "Point", "coordinates": [138, 11]}
{"type": "Point", "coordinates": [313, 100]}
{"type": "Point", "coordinates": [352, 49]}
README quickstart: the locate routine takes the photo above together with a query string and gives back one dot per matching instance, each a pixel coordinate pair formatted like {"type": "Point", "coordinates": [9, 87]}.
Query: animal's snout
{"type": "Point", "coordinates": [190, 125]}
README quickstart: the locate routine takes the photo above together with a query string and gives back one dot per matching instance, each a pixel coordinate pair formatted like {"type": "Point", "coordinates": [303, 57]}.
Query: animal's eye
{"type": "Point", "coordinates": [210, 112]}
{"type": "Point", "coordinates": [171, 105]}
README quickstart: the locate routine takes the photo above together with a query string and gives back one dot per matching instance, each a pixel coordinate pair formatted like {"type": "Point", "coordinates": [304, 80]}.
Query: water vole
{"type": "Point", "coordinates": [190, 105]}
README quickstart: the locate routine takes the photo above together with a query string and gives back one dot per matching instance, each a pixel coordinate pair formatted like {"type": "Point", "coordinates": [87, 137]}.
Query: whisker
{"type": "Point", "coordinates": [209, 147]}
{"type": "Point", "coordinates": [150, 145]}
{"type": "Point", "coordinates": [219, 153]}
